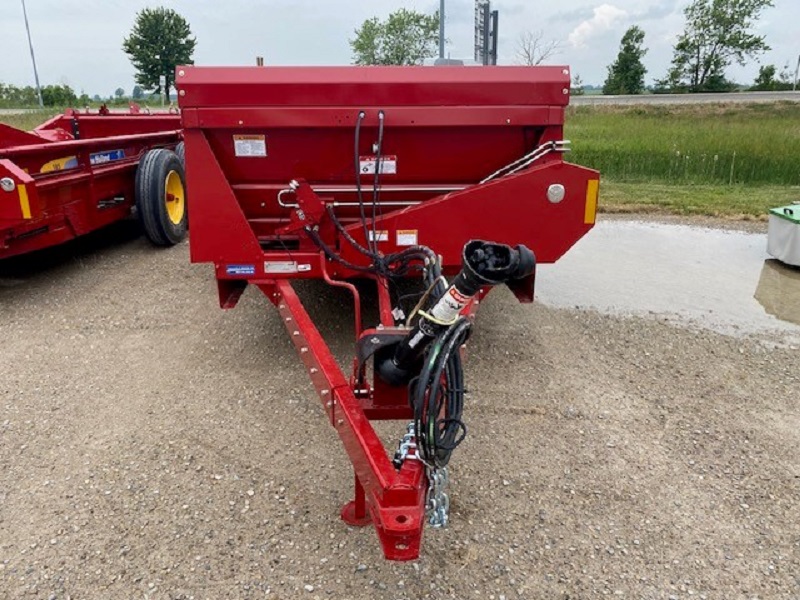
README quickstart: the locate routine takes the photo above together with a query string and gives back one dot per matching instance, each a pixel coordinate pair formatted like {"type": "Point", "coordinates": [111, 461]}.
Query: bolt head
{"type": "Point", "coordinates": [7, 184]}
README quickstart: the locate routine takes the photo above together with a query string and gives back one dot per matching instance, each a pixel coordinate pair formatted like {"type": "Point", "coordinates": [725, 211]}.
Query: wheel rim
{"type": "Point", "coordinates": [175, 198]}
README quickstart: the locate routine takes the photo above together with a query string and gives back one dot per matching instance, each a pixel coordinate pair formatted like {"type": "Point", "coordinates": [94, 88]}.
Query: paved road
{"type": "Point", "coordinates": [743, 97]}
{"type": "Point", "coordinates": [23, 111]}
{"type": "Point", "coordinates": [15, 111]}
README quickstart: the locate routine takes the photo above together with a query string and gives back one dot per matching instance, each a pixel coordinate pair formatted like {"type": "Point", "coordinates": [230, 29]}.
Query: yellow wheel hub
{"type": "Point", "coordinates": [175, 197]}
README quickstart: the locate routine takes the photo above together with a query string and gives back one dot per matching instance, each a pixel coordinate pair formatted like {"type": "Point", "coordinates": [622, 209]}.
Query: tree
{"type": "Point", "coordinates": [768, 82]}
{"type": "Point", "coordinates": [626, 74]}
{"type": "Point", "coordinates": [533, 49]}
{"type": "Point", "coordinates": [15, 97]}
{"type": "Point", "coordinates": [406, 37]}
{"type": "Point", "coordinates": [119, 93]}
{"type": "Point", "coordinates": [137, 93]}
{"type": "Point", "coordinates": [717, 33]}
{"type": "Point", "coordinates": [159, 41]}
{"type": "Point", "coordinates": [576, 89]}
{"type": "Point", "coordinates": [58, 95]}
{"type": "Point", "coordinates": [766, 79]}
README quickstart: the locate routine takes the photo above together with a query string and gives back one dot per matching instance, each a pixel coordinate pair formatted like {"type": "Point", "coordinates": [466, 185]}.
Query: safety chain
{"type": "Point", "coordinates": [437, 508]}
{"type": "Point", "coordinates": [437, 502]}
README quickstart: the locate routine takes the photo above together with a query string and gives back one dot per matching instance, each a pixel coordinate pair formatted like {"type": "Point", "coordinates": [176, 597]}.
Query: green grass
{"type": "Point", "coordinates": [725, 144]}
{"type": "Point", "coordinates": [28, 121]}
{"type": "Point", "coordinates": [736, 202]}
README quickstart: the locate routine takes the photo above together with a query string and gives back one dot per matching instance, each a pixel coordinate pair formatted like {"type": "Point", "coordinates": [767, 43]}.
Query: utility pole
{"type": "Point", "coordinates": [441, 28]}
{"type": "Point", "coordinates": [796, 70]}
{"type": "Point", "coordinates": [493, 47]}
{"type": "Point", "coordinates": [487, 30]}
{"type": "Point", "coordinates": [33, 58]}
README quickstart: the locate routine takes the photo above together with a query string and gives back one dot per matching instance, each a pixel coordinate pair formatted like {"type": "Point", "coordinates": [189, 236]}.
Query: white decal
{"type": "Point", "coordinates": [250, 145]}
{"type": "Point", "coordinates": [281, 266]}
{"type": "Point", "coordinates": [368, 165]}
{"type": "Point", "coordinates": [406, 237]}
{"type": "Point", "coordinates": [381, 236]}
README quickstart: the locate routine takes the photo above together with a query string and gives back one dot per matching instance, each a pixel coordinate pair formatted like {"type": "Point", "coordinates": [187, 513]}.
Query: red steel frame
{"type": "Point", "coordinates": [449, 128]}
{"type": "Point", "coordinates": [73, 174]}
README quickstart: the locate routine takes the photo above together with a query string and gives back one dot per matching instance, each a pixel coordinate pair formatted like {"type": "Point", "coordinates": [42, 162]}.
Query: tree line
{"type": "Point", "coordinates": [52, 95]}
{"type": "Point", "coordinates": [717, 33]}
{"type": "Point", "coordinates": [58, 96]}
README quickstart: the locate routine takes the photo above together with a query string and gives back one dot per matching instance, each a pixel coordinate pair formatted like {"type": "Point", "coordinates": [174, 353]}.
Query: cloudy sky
{"type": "Point", "coordinates": [78, 41]}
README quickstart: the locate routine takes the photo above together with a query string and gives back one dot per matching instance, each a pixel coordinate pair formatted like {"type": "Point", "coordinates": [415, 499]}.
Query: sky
{"type": "Point", "coordinates": [78, 42]}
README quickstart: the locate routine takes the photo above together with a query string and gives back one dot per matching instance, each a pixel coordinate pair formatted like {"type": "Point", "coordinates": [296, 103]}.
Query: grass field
{"type": "Point", "coordinates": [28, 120]}
{"type": "Point", "coordinates": [734, 160]}
{"type": "Point", "coordinates": [746, 202]}
{"type": "Point", "coordinates": [723, 144]}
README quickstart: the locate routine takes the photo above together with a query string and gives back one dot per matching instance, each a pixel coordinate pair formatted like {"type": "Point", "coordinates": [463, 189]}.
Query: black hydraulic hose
{"type": "Point", "coordinates": [341, 229]}
{"type": "Point", "coordinates": [376, 180]}
{"type": "Point", "coordinates": [437, 411]}
{"type": "Point", "coordinates": [333, 256]}
{"type": "Point", "coordinates": [357, 163]}
{"type": "Point", "coordinates": [420, 253]}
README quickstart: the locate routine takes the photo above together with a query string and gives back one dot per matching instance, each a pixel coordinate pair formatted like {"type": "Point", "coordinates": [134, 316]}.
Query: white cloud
{"type": "Point", "coordinates": [604, 18]}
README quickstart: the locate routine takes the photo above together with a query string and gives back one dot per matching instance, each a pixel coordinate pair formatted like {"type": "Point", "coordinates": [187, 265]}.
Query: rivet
{"type": "Point", "coordinates": [182, 93]}
{"type": "Point", "coordinates": [181, 73]}
{"type": "Point", "coordinates": [7, 184]}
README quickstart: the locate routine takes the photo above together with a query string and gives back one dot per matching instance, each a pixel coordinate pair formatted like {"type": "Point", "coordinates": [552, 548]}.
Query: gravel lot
{"type": "Point", "coordinates": [154, 446]}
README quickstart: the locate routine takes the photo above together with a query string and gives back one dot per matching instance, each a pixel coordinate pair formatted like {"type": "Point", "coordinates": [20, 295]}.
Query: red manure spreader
{"type": "Point", "coordinates": [447, 180]}
{"type": "Point", "coordinates": [79, 172]}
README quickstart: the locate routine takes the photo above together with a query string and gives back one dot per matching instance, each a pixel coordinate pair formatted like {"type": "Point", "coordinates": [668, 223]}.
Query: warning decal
{"type": "Point", "coordinates": [406, 237]}
{"type": "Point", "coordinates": [368, 165]}
{"type": "Point", "coordinates": [250, 145]}
{"type": "Point", "coordinates": [378, 236]}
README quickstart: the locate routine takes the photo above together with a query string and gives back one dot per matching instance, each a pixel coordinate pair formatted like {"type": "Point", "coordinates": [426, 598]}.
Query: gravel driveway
{"type": "Point", "coordinates": [154, 446]}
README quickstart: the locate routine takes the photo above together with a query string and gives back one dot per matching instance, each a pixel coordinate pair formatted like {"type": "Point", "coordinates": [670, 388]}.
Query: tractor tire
{"type": "Point", "coordinates": [161, 197]}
